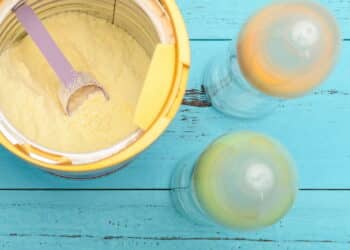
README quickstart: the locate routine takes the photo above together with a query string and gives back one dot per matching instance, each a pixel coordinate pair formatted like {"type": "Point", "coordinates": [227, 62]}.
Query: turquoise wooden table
{"type": "Point", "coordinates": [132, 210]}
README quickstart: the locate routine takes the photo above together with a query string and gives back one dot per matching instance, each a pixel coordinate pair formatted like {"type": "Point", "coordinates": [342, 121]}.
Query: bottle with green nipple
{"type": "Point", "coordinates": [242, 181]}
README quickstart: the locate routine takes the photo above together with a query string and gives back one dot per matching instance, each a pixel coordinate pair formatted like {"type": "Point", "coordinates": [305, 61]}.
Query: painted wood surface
{"type": "Point", "coordinates": [40, 211]}
{"type": "Point", "coordinates": [147, 220]}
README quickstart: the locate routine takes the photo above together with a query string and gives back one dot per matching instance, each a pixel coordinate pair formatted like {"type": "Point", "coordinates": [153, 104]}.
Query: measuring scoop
{"type": "Point", "coordinates": [76, 86]}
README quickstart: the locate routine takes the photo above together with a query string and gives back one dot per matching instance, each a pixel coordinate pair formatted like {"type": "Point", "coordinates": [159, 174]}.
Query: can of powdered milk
{"type": "Point", "coordinates": [158, 27]}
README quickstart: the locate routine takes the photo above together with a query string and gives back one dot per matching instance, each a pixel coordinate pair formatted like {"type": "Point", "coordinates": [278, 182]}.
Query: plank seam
{"type": "Point", "coordinates": [138, 189]}
{"type": "Point", "coordinates": [228, 39]}
{"type": "Point", "coordinates": [170, 238]}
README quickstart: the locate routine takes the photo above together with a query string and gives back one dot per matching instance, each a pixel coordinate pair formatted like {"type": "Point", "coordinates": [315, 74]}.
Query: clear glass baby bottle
{"type": "Point", "coordinates": [283, 51]}
{"type": "Point", "coordinates": [242, 181]}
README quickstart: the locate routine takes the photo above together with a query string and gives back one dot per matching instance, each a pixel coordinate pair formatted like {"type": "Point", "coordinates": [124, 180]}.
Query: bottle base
{"type": "Point", "coordinates": [231, 94]}
{"type": "Point", "coordinates": [182, 195]}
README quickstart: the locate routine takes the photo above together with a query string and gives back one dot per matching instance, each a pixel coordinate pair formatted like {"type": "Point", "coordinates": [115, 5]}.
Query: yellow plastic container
{"type": "Point", "coordinates": [159, 27]}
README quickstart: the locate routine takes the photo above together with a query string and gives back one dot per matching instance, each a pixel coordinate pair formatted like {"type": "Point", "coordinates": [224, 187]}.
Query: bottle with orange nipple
{"type": "Point", "coordinates": [283, 51]}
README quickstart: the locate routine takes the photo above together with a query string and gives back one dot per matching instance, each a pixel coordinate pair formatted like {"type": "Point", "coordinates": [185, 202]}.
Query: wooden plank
{"type": "Point", "coordinates": [57, 243]}
{"type": "Point", "coordinates": [322, 156]}
{"type": "Point", "coordinates": [147, 220]}
{"type": "Point", "coordinates": [220, 19]}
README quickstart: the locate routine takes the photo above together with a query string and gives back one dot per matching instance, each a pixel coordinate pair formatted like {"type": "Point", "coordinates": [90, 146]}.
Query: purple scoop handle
{"type": "Point", "coordinates": [37, 31]}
